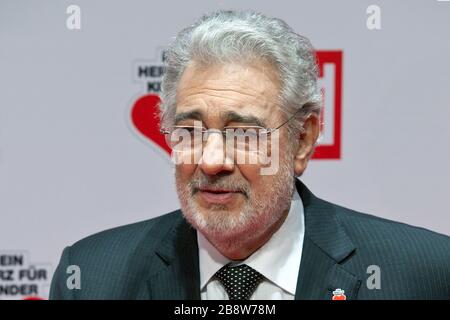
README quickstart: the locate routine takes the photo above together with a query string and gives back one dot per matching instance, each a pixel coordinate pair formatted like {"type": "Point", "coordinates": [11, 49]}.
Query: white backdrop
{"type": "Point", "coordinates": [72, 162]}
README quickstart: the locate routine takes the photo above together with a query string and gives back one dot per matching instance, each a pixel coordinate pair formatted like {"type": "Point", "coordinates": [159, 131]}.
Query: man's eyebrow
{"type": "Point", "coordinates": [189, 115]}
{"type": "Point", "coordinates": [235, 117]}
{"type": "Point", "coordinates": [229, 116]}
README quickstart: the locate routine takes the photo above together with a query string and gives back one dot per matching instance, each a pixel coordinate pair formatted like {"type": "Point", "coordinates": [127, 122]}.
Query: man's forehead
{"type": "Point", "coordinates": [228, 92]}
{"type": "Point", "coordinates": [232, 81]}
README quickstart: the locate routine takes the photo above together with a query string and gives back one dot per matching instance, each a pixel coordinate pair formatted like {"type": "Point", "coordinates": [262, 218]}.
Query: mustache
{"type": "Point", "coordinates": [219, 182]}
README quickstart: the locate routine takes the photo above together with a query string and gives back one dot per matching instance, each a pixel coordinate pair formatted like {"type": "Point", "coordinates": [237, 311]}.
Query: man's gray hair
{"type": "Point", "coordinates": [237, 36]}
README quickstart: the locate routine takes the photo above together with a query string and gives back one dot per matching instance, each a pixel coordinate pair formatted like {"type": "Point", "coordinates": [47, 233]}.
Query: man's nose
{"type": "Point", "coordinates": [214, 158]}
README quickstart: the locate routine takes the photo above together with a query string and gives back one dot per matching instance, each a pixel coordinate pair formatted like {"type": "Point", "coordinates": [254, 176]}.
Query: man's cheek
{"type": "Point", "coordinates": [185, 171]}
{"type": "Point", "coordinates": [251, 173]}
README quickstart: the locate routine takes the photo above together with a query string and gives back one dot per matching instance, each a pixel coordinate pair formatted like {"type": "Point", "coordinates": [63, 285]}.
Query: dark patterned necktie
{"type": "Point", "coordinates": [240, 281]}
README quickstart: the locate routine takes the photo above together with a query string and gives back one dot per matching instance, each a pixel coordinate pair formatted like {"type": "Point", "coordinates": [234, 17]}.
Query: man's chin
{"type": "Point", "coordinates": [220, 216]}
{"type": "Point", "coordinates": [217, 220]}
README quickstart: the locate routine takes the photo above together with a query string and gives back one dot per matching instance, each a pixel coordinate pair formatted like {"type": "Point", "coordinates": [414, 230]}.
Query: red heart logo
{"type": "Point", "coordinates": [145, 117]}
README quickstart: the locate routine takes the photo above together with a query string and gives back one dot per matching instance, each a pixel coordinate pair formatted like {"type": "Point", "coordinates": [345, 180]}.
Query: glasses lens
{"type": "Point", "coordinates": [253, 140]}
{"type": "Point", "coordinates": [246, 139]}
{"type": "Point", "coordinates": [184, 138]}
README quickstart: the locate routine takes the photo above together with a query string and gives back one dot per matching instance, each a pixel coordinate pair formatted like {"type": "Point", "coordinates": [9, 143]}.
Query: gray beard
{"type": "Point", "coordinates": [260, 212]}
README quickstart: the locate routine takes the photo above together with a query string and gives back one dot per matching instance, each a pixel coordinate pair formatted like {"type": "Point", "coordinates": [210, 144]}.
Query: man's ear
{"type": "Point", "coordinates": [307, 139]}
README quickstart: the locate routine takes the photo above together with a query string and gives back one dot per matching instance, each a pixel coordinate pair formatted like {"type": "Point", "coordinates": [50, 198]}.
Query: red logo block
{"type": "Point", "coordinates": [330, 78]}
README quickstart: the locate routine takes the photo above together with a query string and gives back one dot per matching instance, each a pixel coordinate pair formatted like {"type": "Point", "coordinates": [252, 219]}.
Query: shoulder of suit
{"type": "Point", "coordinates": [372, 232]}
{"type": "Point", "coordinates": [126, 238]}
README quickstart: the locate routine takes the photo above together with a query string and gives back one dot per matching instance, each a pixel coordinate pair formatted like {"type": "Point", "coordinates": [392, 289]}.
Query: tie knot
{"type": "Point", "coordinates": [240, 281]}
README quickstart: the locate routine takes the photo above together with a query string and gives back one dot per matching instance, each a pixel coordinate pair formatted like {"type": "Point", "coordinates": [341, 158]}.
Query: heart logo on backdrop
{"type": "Point", "coordinates": [145, 118]}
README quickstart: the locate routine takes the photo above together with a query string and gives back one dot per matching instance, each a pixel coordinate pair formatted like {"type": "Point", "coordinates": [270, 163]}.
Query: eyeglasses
{"type": "Point", "coordinates": [241, 138]}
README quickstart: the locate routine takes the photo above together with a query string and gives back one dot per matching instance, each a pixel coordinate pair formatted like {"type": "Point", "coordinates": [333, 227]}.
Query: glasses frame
{"type": "Point", "coordinates": [268, 131]}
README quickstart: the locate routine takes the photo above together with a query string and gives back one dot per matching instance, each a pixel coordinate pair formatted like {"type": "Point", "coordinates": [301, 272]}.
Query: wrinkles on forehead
{"type": "Point", "coordinates": [229, 91]}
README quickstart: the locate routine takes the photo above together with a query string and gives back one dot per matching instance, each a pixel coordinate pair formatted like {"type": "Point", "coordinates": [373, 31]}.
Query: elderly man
{"type": "Point", "coordinates": [240, 109]}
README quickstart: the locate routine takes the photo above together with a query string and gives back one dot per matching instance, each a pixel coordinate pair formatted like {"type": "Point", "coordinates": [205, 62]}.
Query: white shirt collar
{"type": "Point", "coordinates": [278, 259]}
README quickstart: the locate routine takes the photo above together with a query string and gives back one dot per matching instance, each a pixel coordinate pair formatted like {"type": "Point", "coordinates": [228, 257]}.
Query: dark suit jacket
{"type": "Point", "coordinates": [158, 258]}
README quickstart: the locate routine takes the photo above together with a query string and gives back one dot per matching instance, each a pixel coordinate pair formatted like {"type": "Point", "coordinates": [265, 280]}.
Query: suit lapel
{"type": "Point", "coordinates": [326, 246]}
{"type": "Point", "coordinates": [176, 274]}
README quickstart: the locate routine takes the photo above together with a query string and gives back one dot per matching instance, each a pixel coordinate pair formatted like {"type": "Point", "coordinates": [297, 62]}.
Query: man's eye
{"type": "Point", "coordinates": [246, 131]}
{"type": "Point", "coordinates": [189, 129]}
